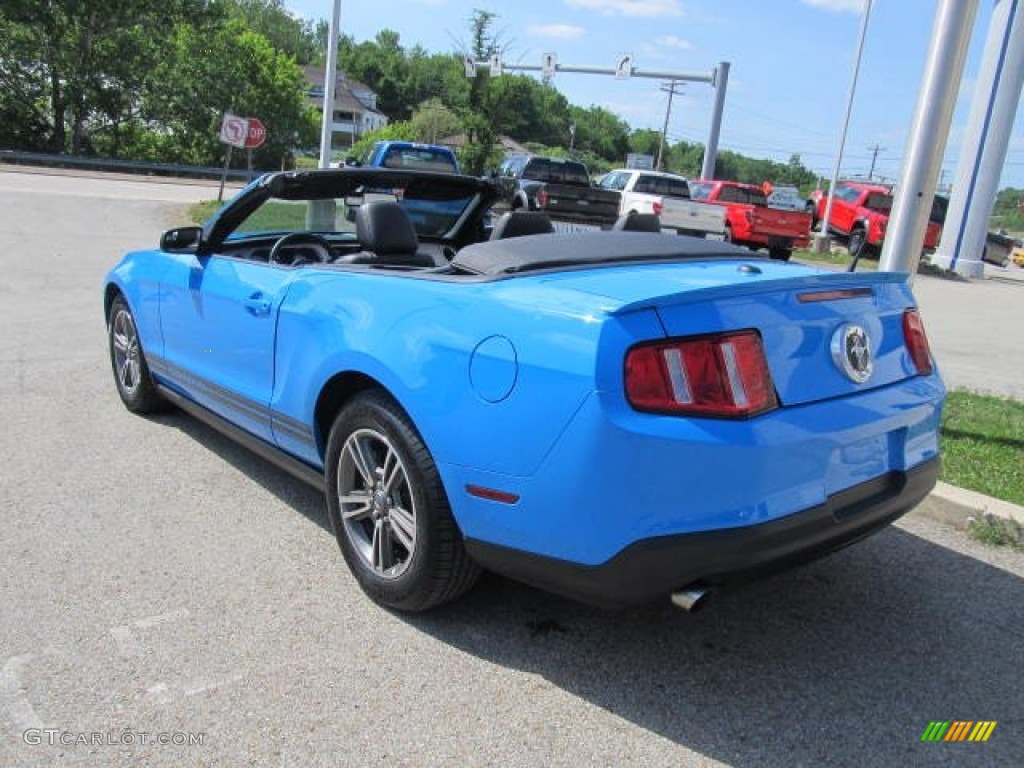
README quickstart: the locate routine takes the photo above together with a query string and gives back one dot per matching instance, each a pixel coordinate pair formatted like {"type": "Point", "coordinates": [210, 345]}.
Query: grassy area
{"type": "Point", "coordinates": [841, 258]}
{"type": "Point", "coordinates": [272, 217]}
{"type": "Point", "coordinates": [997, 532]}
{"type": "Point", "coordinates": [983, 445]}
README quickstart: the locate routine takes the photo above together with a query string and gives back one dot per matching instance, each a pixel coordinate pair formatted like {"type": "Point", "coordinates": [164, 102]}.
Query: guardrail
{"type": "Point", "coordinates": [122, 166]}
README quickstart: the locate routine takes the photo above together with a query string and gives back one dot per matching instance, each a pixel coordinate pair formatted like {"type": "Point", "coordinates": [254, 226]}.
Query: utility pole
{"type": "Point", "coordinates": [822, 242]}
{"type": "Point", "coordinates": [874, 156]}
{"type": "Point", "coordinates": [669, 88]}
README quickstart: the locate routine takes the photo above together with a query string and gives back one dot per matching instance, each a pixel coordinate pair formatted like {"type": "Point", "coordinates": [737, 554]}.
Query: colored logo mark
{"type": "Point", "coordinates": [958, 730]}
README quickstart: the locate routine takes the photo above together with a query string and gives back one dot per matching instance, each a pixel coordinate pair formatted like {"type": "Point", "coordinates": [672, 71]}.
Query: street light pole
{"type": "Point", "coordinates": [330, 80]}
{"type": "Point", "coordinates": [822, 242]}
{"type": "Point", "coordinates": [320, 213]}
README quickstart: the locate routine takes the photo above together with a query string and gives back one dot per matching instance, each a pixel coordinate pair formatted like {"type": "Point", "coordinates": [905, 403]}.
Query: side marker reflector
{"type": "Point", "coordinates": [492, 494]}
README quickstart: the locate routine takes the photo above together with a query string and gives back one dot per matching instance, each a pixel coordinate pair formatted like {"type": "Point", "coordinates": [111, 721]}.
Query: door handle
{"type": "Point", "coordinates": [257, 305]}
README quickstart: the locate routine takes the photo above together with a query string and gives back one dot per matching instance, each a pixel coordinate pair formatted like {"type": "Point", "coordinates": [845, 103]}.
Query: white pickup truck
{"type": "Point", "coordinates": [668, 196]}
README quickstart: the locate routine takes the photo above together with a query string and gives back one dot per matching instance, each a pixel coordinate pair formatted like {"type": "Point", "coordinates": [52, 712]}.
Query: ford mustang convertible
{"type": "Point", "coordinates": [614, 416]}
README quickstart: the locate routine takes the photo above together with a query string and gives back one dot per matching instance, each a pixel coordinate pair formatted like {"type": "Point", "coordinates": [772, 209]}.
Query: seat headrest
{"type": "Point", "coordinates": [519, 223]}
{"type": "Point", "coordinates": [383, 227]}
{"type": "Point", "coordinates": [638, 222]}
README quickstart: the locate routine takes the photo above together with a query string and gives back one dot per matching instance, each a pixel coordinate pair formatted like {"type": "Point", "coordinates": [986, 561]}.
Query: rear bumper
{"type": "Point", "coordinates": [653, 567]}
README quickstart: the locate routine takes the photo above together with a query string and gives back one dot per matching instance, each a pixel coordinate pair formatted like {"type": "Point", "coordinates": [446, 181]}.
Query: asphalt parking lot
{"type": "Point", "coordinates": [159, 580]}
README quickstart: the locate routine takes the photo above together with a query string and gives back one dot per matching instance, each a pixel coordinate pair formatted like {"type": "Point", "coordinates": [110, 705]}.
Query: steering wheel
{"type": "Point", "coordinates": [317, 243]}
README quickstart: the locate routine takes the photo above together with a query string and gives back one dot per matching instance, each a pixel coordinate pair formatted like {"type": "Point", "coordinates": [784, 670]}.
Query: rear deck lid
{"type": "Point", "coordinates": [825, 334]}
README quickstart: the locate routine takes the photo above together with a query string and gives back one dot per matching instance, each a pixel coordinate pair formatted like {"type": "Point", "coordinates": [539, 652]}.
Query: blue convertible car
{"type": "Point", "coordinates": [614, 416]}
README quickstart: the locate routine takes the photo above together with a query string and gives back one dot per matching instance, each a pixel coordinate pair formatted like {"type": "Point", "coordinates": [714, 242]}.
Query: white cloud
{"type": "Point", "coordinates": [645, 8]}
{"type": "Point", "coordinates": [562, 31]}
{"type": "Point", "coordinates": [671, 41]}
{"type": "Point", "coordinates": [842, 6]}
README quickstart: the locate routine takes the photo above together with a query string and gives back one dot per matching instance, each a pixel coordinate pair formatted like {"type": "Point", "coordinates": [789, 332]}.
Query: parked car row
{"type": "Point", "coordinates": [703, 208]}
{"type": "Point", "coordinates": [770, 217]}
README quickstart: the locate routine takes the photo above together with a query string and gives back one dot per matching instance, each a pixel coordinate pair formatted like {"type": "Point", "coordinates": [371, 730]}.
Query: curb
{"type": "Point", "coordinates": [958, 506]}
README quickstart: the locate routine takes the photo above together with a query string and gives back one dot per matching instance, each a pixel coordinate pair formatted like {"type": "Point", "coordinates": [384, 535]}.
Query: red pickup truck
{"type": "Point", "coordinates": [749, 220]}
{"type": "Point", "coordinates": [861, 212]}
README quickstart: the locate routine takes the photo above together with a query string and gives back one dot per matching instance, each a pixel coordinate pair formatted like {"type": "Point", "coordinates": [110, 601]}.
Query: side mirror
{"type": "Point", "coordinates": [352, 161]}
{"type": "Point", "coordinates": [181, 240]}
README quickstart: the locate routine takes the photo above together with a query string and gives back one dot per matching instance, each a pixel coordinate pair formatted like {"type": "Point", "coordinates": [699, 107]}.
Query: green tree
{"type": "Point", "coordinates": [602, 132]}
{"type": "Point", "coordinates": [289, 35]}
{"type": "Point", "coordinates": [382, 65]}
{"type": "Point", "coordinates": [479, 152]}
{"type": "Point", "coordinates": [645, 142]}
{"type": "Point", "coordinates": [225, 68]}
{"type": "Point", "coordinates": [75, 65]}
{"type": "Point", "coordinates": [399, 131]}
{"type": "Point", "coordinates": [432, 121]}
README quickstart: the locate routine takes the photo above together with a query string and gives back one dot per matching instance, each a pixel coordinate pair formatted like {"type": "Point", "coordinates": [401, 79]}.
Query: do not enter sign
{"type": "Point", "coordinates": [257, 134]}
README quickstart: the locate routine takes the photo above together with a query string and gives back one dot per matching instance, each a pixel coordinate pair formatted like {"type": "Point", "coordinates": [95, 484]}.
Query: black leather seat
{"type": "Point", "coordinates": [519, 223]}
{"type": "Point", "coordinates": [388, 237]}
{"type": "Point", "coordinates": [638, 222]}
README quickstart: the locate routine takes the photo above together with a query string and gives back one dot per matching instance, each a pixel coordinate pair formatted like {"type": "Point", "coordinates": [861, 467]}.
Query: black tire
{"type": "Point", "coordinates": [131, 372]}
{"type": "Point", "coordinates": [727, 235]}
{"type": "Point", "coordinates": [780, 254]}
{"type": "Point", "coordinates": [389, 510]}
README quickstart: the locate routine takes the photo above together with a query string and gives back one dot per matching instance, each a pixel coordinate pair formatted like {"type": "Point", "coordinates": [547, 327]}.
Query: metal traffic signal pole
{"type": "Point", "coordinates": [718, 78]}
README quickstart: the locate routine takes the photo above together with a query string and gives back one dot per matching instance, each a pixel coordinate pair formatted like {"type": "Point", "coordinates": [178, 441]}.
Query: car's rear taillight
{"type": "Point", "coordinates": [917, 341]}
{"type": "Point", "coordinates": [657, 207]}
{"type": "Point", "coordinates": [725, 376]}
{"type": "Point", "coordinates": [542, 198]}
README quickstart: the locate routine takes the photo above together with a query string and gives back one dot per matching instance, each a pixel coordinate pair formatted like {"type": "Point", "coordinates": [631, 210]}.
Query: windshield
{"type": "Point", "coordinates": [700, 190]}
{"type": "Point", "coordinates": [662, 185]}
{"type": "Point", "coordinates": [419, 159]}
{"type": "Point", "coordinates": [432, 217]}
{"type": "Point", "coordinates": [556, 171]}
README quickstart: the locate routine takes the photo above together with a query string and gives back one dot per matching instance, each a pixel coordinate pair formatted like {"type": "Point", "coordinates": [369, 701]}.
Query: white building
{"type": "Point", "coordinates": [355, 107]}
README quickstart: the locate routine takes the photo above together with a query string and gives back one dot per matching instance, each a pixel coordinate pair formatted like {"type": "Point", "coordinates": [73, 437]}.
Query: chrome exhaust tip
{"type": "Point", "coordinates": [689, 599]}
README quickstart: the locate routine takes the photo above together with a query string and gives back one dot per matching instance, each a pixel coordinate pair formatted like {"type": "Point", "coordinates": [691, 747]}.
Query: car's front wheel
{"type": "Point", "coordinates": [389, 510]}
{"type": "Point", "coordinates": [131, 373]}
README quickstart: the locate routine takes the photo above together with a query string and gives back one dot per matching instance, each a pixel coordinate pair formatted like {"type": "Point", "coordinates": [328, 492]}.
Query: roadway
{"type": "Point", "coordinates": [158, 579]}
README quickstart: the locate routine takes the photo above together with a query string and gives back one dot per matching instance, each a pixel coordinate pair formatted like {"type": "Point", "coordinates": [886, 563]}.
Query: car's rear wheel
{"type": "Point", "coordinates": [389, 510]}
{"type": "Point", "coordinates": [780, 254]}
{"type": "Point", "coordinates": [131, 373]}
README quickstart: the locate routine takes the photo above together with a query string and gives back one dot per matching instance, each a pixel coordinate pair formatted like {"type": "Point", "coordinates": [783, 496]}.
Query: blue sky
{"type": "Point", "coordinates": [791, 63]}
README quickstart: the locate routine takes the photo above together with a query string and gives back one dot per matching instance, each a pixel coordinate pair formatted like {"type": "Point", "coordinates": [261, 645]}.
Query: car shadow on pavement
{"type": "Point", "coordinates": [302, 497]}
{"type": "Point", "coordinates": [842, 662]}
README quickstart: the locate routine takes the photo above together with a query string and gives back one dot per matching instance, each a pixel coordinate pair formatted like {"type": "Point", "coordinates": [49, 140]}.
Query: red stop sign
{"type": "Point", "coordinates": [257, 134]}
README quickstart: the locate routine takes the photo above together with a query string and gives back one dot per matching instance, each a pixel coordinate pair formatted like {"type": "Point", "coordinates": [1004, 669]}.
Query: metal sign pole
{"type": "Point", "coordinates": [224, 173]}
